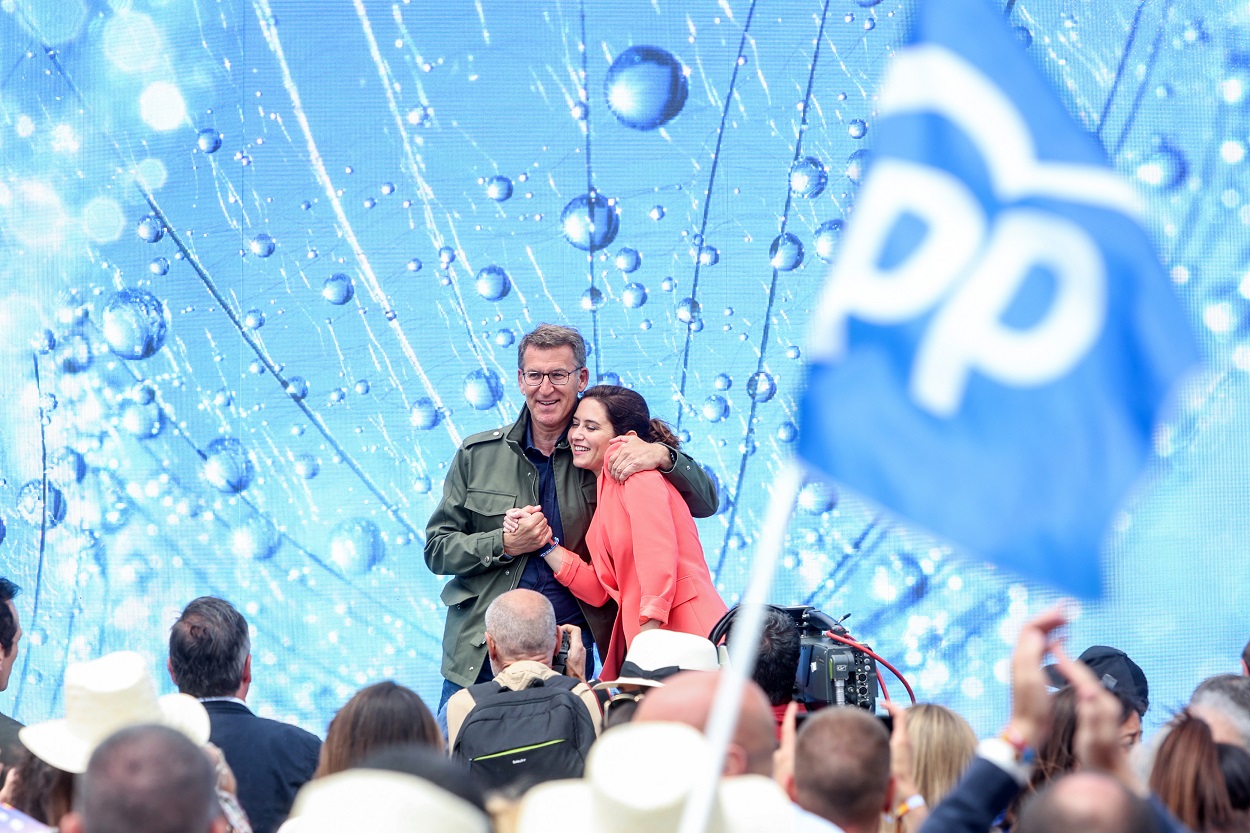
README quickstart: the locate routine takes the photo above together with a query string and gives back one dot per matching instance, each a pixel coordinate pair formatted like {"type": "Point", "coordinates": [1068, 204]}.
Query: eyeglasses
{"type": "Point", "coordinates": [558, 377]}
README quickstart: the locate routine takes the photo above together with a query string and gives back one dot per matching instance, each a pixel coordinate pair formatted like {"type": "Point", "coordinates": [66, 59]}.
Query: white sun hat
{"type": "Point", "coordinates": [374, 799]}
{"type": "Point", "coordinates": [657, 654]}
{"type": "Point", "coordinates": [103, 696]}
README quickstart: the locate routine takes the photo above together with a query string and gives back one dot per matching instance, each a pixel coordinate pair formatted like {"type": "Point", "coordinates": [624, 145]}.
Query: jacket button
{"type": "Point", "coordinates": [507, 572]}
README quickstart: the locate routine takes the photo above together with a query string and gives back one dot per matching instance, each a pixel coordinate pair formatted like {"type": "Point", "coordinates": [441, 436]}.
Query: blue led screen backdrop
{"type": "Point", "coordinates": [263, 266]}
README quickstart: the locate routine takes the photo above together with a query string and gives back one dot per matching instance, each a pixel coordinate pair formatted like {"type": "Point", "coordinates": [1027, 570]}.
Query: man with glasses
{"type": "Point", "coordinates": [529, 463]}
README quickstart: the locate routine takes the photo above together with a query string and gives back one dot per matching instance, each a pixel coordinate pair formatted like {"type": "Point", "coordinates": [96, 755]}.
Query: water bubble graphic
{"type": "Point", "coordinates": [786, 253]}
{"type": "Point", "coordinates": [787, 432]}
{"type": "Point", "coordinates": [627, 259]}
{"type": "Point", "coordinates": [857, 129]}
{"type": "Point", "coordinates": [253, 319]}
{"type": "Point", "coordinates": [228, 466]}
{"type": "Point", "coordinates": [262, 245]}
{"type": "Point", "coordinates": [421, 484]}
{"type": "Point", "coordinates": [143, 421]}
{"type": "Point", "coordinates": [415, 265]}
{"type": "Point", "coordinates": [708, 255]}
{"type": "Point", "coordinates": [866, 4]}
{"type": "Point", "coordinates": [1164, 167]}
{"type": "Point", "coordinates": [135, 324]}
{"type": "Point", "coordinates": [857, 165]}
{"type": "Point", "coordinates": [715, 408]}
{"type": "Point", "coordinates": [446, 256]}
{"type": "Point", "coordinates": [645, 87]}
{"type": "Point", "coordinates": [356, 546]}
{"type": "Point", "coordinates": [657, 212]}
{"type": "Point", "coordinates": [297, 388]}
{"type": "Point", "coordinates": [590, 222]}
{"type": "Point", "coordinates": [338, 289]}
{"type": "Point", "coordinates": [592, 299]}
{"type": "Point", "coordinates": [689, 311]}
{"type": "Point", "coordinates": [30, 504]}
{"type": "Point", "coordinates": [723, 381]}
{"type": "Point", "coordinates": [159, 266]}
{"type": "Point", "coordinates": [362, 387]}
{"type": "Point", "coordinates": [209, 140]}
{"type": "Point", "coordinates": [817, 497]}
{"type": "Point", "coordinates": [424, 414]}
{"type": "Point", "coordinates": [44, 342]}
{"type": "Point", "coordinates": [150, 229]}
{"type": "Point", "coordinates": [793, 352]}
{"type": "Point", "coordinates": [256, 538]}
{"type": "Point", "coordinates": [493, 283]}
{"type": "Point", "coordinates": [668, 284]}
{"type": "Point", "coordinates": [826, 238]}
{"type": "Point", "coordinates": [808, 177]}
{"type": "Point", "coordinates": [74, 353]}
{"type": "Point", "coordinates": [499, 188]}
{"type": "Point", "coordinates": [761, 386]}
{"type": "Point", "coordinates": [306, 466]}
{"type": "Point", "coordinates": [483, 389]}
{"type": "Point", "coordinates": [505, 337]}
{"type": "Point", "coordinates": [634, 295]}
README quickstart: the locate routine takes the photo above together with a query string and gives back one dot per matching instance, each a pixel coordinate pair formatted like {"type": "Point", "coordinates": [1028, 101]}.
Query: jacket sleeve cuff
{"type": "Point", "coordinates": [653, 607]}
{"type": "Point", "coordinates": [1003, 755]}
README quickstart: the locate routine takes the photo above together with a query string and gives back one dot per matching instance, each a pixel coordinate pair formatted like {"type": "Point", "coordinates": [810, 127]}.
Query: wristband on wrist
{"type": "Point", "coordinates": [1025, 753]}
{"type": "Point", "coordinates": [546, 550]}
{"type": "Point", "coordinates": [913, 802]}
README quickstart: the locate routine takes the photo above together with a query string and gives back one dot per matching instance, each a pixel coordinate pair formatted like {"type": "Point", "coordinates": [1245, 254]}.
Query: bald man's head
{"type": "Point", "coordinates": [842, 768]}
{"type": "Point", "coordinates": [1092, 802]}
{"type": "Point", "coordinates": [687, 698]}
{"type": "Point", "coordinates": [521, 625]}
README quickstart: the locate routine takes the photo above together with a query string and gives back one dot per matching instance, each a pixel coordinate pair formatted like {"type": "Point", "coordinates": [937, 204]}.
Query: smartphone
{"type": "Point", "coordinates": [16, 820]}
{"type": "Point", "coordinates": [561, 659]}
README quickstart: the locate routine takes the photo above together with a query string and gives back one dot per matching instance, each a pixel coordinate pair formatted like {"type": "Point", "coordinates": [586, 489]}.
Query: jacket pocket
{"type": "Point", "coordinates": [684, 591]}
{"type": "Point", "coordinates": [489, 505]}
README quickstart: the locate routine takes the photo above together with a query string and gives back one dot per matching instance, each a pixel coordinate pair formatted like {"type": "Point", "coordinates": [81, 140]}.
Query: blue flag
{"type": "Point", "coordinates": [996, 336]}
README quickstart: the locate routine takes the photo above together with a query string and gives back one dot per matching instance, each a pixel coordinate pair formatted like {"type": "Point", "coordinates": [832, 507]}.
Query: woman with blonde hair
{"type": "Point", "coordinates": [930, 748]}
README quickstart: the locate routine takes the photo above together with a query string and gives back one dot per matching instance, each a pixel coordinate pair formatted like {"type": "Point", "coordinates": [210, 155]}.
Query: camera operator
{"type": "Point", "coordinates": [777, 662]}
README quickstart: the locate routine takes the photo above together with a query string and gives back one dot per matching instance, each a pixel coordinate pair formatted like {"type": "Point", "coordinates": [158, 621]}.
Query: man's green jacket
{"type": "Point", "coordinates": [464, 537]}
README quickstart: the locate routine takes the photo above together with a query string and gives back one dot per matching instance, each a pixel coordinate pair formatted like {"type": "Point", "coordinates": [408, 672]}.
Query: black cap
{"type": "Point", "coordinates": [1116, 670]}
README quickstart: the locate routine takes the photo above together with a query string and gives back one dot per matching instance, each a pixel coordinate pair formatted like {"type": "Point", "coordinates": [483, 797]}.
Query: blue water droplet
{"type": "Point", "coordinates": [817, 497]}
{"type": "Point", "coordinates": [150, 229]}
{"type": "Point", "coordinates": [338, 289]}
{"type": "Point", "coordinates": [483, 389]}
{"type": "Point", "coordinates": [826, 238]}
{"type": "Point", "coordinates": [136, 324]}
{"type": "Point", "coordinates": [446, 256]}
{"type": "Point", "coordinates": [253, 319]}
{"type": "Point", "coordinates": [362, 387]}
{"type": "Point", "coordinates": [808, 177]}
{"type": "Point", "coordinates": [262, 245]}
{"type": "Point", "coordinates": [30, 504]}
{"type": "Point", "coordinates": [499, 188]}
{"type": "Point", "coordinates": [708, 255]}
{"type": "Point", "coordinates": [786, 253]}
{"type": "Point", "coordinates": [256, 538]}
{"type": "Point", "coordinates": [715, 408]}
{"type": "Point", "coordinates": [627, 259]}
{"type": "Point", "coordinates": [421, 484]}
{"type": "Point", "coordinates": [66, 466]}
{"type": "Point", "coordinates": [1164, 167]}
{"type": "Point", "coordinates": [634, 295]}
{"type": "Point", "coordinates": [857, 165]}
{"type": "Point", "coordinates": [356, 546]}
{"type": "Point", "coordinates": [787, 432]}
{"type": "Point", "coordinates": [493, 283]}
{"type": "Point", "coordinates": [306, 466]}
{"type": "Point", "coordinates": [424, 414]}
{"type": "Point", "coordinates": [505, 337]}
{"type": "Point", "coordinates": [228, 467]}
{"type": "Point", "coordinates": [761, 386]}
{"type": "Point", "coordinates": [866, 4]}
{"type": "Point", "coordinates": [143, 421]}
{"type": "Point", "coordinates": [645, 87]}
{"type": "Point", "coordinates": [159, 266]}
{"type": "Point", "coordinates": [208, 140]}
{"type": "Point", "coordinates": [297, 388]}
{"type": "Point", "coordinates": [668, 284]}
{"type": "Point", "coordinates": [592, 299]}
{"type": "Point", "coordinates": [689, 311]}
{"type": "Point", "coordinates": [657, 212]}
{"type": "Point", "coordinates": [857, 129]}
{"type": "Point", "coordinates": [590, 222]}
{"type": "Point", "coordinates": [415, 265]}
{"type": "Point", "coordinates": [723, 381]}
{"type": "Point", "coordinates": [793, 352]}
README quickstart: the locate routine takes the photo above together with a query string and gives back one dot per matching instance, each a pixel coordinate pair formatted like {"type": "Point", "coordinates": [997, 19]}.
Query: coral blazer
{"type": "Point", "coordinates": [645, 555]}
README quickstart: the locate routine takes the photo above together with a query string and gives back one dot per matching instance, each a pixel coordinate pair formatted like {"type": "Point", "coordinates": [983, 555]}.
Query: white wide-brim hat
{"type": "Point", "coordinates": [375, 799]}
{"type": "Point", "coordinates": [639, 777]}
{"type": "Point", "coordinates": [103, 696]}
{"type": "Point", "coordinates": [657, 654]}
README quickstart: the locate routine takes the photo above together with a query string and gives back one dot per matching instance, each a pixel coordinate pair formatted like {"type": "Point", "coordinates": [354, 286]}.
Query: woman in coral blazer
{"type": "Point", "coordinates": [644, 547]}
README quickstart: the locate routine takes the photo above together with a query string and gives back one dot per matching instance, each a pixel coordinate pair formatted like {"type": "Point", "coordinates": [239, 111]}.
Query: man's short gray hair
{"type": "Point", "coordinates": [523, 624]}
{"type": "Point", "coordinates": [550, 336]}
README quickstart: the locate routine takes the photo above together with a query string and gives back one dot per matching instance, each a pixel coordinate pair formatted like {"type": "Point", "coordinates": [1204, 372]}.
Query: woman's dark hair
{"type": "Point", "coordinates": [42, 791]}
{"type": "Point", "coordinates": [1187, 776]}
{"type": "Point", "coordinates": [379, 716]}
{"type": "Point", "coordinates": [627, 411]}
{"type": "Point", "coordinates": [1235, 764]}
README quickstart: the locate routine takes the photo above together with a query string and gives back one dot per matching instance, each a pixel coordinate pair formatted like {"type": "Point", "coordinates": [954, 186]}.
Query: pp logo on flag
{"type": "Point", "coordinates": [969, 267]}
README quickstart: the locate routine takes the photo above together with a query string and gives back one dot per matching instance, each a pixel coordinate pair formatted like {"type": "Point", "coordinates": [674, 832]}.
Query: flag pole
{"type": "Point", "coordinates": [748, 625]}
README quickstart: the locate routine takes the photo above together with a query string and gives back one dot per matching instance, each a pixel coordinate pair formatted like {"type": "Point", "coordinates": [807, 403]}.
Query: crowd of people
{"type": "Point", "coordinates": [536, 748]}
{"type": "Point", "coordinates": [579, 679]}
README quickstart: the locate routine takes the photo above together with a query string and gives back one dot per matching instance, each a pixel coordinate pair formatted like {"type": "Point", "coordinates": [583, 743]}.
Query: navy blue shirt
{"type": "Point", "coordinates": [538, 575]}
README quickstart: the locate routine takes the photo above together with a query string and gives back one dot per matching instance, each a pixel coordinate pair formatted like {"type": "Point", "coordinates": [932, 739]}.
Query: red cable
{"type": "Point", "coordinates": [881, 682]}
{"type": "Point", "coordinates": [845, 640]}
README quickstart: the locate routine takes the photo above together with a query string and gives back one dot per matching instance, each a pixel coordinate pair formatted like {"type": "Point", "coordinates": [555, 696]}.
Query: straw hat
{"type": "Point", "coordinates": [639, 776]}
{"type": "Point", "coordinates": [375, 799]}
{"type": "Point", "coordinates": [657, 654]}
{"type": "Point", "coordinates": [102, 696]}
